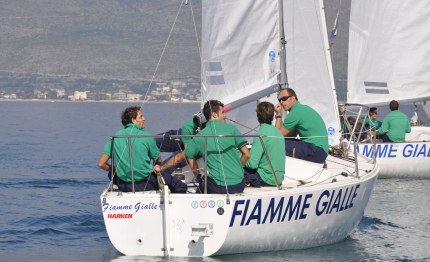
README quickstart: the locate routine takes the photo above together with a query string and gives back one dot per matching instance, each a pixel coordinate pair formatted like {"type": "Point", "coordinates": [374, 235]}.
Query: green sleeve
{"type": "Point", "coordinates": [384, 127]}
{"type": "Point", "coordinates": [187, 129]}
{"type": "Point", "coordinates": [107, 148]}
{"type": "Point", "coordinates": [408, 127]}
{"type": "Point", "coordinates": [240, 141]}
{"type": "Point", "coordinates": [154, 152]}
{"type": "Point", "coordinates": [291, 121]}
{"type": "Point", "coordinates": [192, 149]}
{"type": "Point", "coordinates": [256, 154]}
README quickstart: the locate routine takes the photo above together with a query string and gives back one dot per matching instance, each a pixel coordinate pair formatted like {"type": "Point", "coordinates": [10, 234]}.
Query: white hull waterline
{"type": "Point", "coordinates": [322, 210]}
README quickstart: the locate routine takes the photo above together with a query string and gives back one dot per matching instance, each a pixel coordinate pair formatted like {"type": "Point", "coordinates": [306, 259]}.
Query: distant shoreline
{"type": "Point", "coordinates": [98, 101]}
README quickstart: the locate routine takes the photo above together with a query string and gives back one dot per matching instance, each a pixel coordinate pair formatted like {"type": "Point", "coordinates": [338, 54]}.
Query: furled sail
{"type": "Point", "coordinates": [389, 51]}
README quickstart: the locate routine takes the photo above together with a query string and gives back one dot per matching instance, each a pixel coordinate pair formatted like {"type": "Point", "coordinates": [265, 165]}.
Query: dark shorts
{"type": "Point", "coordinates": [299, 149]}
{"type": "Point", "coordinates": [150, 183]}
{"type": "Point", "coordinates": [385, 138]}
{"type": "Point", "coordinates": [213, 188]}
{"type": "Point", "coordinates": [253, 178]}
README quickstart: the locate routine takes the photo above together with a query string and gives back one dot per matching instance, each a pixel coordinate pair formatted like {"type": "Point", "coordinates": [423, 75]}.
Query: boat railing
{"type": "Point", "coordinates": [356, 130]}
{"type": "Point", "coordinates": [175, 137]}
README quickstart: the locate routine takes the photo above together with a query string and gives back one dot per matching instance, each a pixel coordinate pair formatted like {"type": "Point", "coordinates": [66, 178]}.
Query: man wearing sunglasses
{"type": "Point", "coordinates": [304, 121]}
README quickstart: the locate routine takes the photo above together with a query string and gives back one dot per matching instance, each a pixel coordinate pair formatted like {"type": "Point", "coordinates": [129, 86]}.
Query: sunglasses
{"type": "Point", "coordinates": [284, 98]}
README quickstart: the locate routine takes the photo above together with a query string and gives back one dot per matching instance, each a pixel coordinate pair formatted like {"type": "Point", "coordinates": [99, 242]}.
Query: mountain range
{"type": "Point", "coordinates": [117, 39]}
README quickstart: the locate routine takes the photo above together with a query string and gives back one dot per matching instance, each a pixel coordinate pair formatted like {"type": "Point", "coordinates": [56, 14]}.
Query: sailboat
{"type": "Point", "coordinates": [243, 61]}
{"type": "Point", "coordinates": [389, 60]}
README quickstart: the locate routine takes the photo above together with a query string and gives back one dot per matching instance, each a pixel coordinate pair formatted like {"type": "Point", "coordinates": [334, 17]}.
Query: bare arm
{"type": "Point", "coordinates": [194, 166]}
{"type": "Point", "coordinates": [178, 158]}
{"type": "Point", "coordinates": [103, 162]}
{"type": "Point", "coordinates": [278, 121]}
{"type": "Point", "coordinates": [157, 161]}
{"type": "Point", "coordinates": [278, 124]}
{"type": "Point", "coordinates": [245, 155]}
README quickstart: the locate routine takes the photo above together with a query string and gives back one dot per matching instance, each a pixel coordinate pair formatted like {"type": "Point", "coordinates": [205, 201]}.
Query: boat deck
{"type": "Point", "coordinates": [300, 174]}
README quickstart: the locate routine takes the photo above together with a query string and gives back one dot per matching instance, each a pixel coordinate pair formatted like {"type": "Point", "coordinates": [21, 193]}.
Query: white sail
{"type": "Point", "coordinates": [389, 59]}
{"type": "Point", "coordinates": [243, 57]}
{"type": "Point", "coordinates": [240, 56]}
{"type": "Point", "coordinates": [389, 51]}
{"type": "Point", "coordinates": [309, 67]}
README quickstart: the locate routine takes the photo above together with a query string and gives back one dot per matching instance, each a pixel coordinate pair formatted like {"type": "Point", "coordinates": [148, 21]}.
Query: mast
{"type": "Point", "coordinates": [283, 78]}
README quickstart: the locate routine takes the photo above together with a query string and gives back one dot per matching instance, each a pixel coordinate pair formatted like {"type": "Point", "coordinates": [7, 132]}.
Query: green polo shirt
{"type": "Point", "coordinates": [222, 156]}
{"type": "Point", "coordinates": [188, 129]}
{"type": "Point", "coordinates": [395, 125]}
{"type": "Point", "coordinates": [374, 124]}
{"type": "Point", "coordinates": [308, 124]}
{"type": "Point", "coordinates": [143, 149]}
{"type": "Point", "coordinates": [275, 147]}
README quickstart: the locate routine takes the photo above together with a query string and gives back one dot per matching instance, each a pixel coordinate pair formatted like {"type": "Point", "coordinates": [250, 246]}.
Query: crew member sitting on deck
{"type": "Point", "coordinates": [304, 121]}
{"type": "Point", "coordinates": [394, 126]}
{"type": "Point", "coordinates": [143, 151]}
{"type": "Point", "coordinates": [258, 170]}
{"type": "Point", "coordinates": [373, 123]}
{"type": "Point", "coordinates": [225, 166]}
{"type": "Point", "coordinates": [177, 159]}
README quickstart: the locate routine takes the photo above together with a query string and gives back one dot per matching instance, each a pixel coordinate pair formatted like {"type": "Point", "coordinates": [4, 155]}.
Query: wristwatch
{"type": "Point", "coordinates": [278, 116]}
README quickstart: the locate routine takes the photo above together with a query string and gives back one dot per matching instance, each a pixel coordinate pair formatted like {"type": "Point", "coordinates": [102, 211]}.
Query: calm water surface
{"type": "Point", "coordinates": [50, 187]}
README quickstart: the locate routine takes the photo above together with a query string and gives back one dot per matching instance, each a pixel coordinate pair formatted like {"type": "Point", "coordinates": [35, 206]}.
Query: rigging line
{"type": "Point", "coordinates": [161, 56]}
{"type": "Point", "coordinates": [195, 30]}
{"type": "Point", "coordinates": [308, 178]}
{"type": "Point", "coordinates": [250, 129]}
{"type": "Point", "coordinates": [197, 38]}
{"type": "Point", "coordinates": [162, 53]}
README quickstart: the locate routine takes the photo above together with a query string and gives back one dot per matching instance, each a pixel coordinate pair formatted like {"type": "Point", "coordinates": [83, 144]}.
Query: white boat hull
{"type": "Point", "coordinates": [322, 211]}
{"type": "Point", "coordinates": [400, 160]}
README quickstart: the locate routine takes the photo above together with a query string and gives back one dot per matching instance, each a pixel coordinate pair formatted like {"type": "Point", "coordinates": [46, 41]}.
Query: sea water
{"type": "Point", "coordinates": [50, 187]}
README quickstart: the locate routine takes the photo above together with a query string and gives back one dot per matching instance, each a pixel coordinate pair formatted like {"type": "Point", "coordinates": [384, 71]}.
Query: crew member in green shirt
{"type": "Point", "coordinates": [188, 128]}
{"type": "Point", "coordinates": [258, 170]}
{"type": "Point", "coordinates": [144, 153]}
{"type": "Point", "coordinates": [395, 125]}
{"type": "Point", "coordinates": [304, 121]}
{"type": "Point", "coordinates": [373, 123]}
{"type": "Point", "coordinates": [225, 165]}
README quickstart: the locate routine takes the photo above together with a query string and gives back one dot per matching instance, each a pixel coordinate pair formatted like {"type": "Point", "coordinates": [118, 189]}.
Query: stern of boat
{"type": "Point", "coordinates": [141, 223]}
